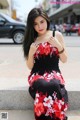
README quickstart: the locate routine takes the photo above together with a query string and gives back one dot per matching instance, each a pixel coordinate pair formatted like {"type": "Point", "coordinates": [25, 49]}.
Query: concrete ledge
{"type": "Point", "coordinates": [74, 100]}
{"type": "Point", "coordinates": [21, 100]}
{"type": "Point", "coordinates": [15, 99]}
{"type": "Point", "coordinates": [14, 94]}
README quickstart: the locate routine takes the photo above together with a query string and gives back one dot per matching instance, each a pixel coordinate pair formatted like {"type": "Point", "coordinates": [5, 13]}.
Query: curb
{"type": "Point", "coordinates": [21, 100]}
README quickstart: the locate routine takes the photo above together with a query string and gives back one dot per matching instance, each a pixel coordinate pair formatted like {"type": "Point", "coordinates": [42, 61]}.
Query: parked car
{"type": "Point", "coordinates": [10, 28]}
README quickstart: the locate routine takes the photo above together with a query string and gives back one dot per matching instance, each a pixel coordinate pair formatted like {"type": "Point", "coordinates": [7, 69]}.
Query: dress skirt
{"type": "Point", "coordinates": [50, 99]}
{"type": "Point", "coordinates": [47, 86]}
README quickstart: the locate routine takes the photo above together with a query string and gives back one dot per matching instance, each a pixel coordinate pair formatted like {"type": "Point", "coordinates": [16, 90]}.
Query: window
{"type": "Point", "coordinates": [2, 19]}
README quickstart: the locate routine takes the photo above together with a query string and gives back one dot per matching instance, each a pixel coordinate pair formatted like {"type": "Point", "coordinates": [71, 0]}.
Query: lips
{"type": "Point", "coordinates": [41, 30]}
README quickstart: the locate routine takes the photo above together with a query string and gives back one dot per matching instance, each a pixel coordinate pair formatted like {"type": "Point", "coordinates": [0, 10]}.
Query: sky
{"type": "Point", "coordinates": [24, 6]}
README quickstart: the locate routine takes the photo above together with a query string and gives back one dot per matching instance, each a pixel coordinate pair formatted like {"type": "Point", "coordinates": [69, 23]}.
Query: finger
{"type": "Point", "coordinates": [50, 38]}
{"type": "Point", "coordinates": [32, 44]}
{"type": "Point", "coordinates": [50, 41]}
{"type": "Point", "coordinates": [36, 44]}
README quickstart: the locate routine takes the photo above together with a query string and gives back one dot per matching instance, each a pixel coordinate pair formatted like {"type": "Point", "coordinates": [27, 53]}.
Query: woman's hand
{"type": "Point", "coordinates": [30, 59]}
{"type": "Point", "coordinates": [33, 49]}
{"type": "Point", "coordinates": [55, 43]}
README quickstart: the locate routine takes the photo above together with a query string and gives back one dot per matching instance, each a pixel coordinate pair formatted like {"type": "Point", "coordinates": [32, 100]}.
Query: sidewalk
{"type": "Point", "coordinates": [14, 94]}
{"type": "Point", "coordinates": [22, 83]}
{"type": "Point", "coordinates": [14, 86]}
{"type": "Point", "coordinates": [28, 115]}
{"type": "Point", "coordinates": [17, 87]}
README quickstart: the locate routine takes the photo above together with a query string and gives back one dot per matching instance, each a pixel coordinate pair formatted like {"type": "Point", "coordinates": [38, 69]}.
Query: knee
{"type": "Point", "coordinates": [40, 83]}
{"type": "Point", "coordinates": [55, 83]}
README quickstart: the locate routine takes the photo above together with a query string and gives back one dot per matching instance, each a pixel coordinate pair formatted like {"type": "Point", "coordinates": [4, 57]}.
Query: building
{"type": "Point", "coordinates": [48, 7]}
{"type": "Point", "coordinates": [5, 6]}
{"type": "Point", "coordinates": [65, 11]}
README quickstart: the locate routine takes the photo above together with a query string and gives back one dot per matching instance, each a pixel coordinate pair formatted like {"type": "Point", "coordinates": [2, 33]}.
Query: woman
{"type": "Point", "coordinates": [43, 51]}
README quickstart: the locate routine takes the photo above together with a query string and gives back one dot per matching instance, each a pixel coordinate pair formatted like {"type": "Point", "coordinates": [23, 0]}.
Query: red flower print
{"type": "Point", "coordinates": [56, 106]}
{"type": "Point", "coordinates": [60, 115]}
{"type": "Point", "coordinates": [47, 50]}
{"type": "Point", "coordinates": [58, 112]}
{"type": "Point", "coordinates": [33, 78]}
{"type": "Point", "coordinates": [46, 105]}
{"type": "Point", "coordinates": [44, 49]}
{"type": "Point", "coordinates": [41, 98]}
{"type": "Point", "coordinates": [41, 49]}
{"type": "Point", "coordinates": [57, 51]}
{"type": "Point", "coordinates": [36, 77]}
{"type": "Point", "coordinates": [39, 109]}
{"type": "Point", "coordinates": [48, 101]}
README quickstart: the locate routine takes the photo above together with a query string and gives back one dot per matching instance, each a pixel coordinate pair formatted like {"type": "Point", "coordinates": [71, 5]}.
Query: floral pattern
{"type": "Point", "coordinates": [50, 106]}
{"type": "Point", "coordinates": [46, 76]}
{"type": "Point", "coordinates": [45, 49]}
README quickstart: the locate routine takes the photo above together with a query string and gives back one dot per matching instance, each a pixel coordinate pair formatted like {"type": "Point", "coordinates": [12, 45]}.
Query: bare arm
{"type": "Point", "coordinates": [30, 59]}
{"type": "Point", "coordinates": [58, 41]}
{"type": "Point", "coordinates": [63, 55]}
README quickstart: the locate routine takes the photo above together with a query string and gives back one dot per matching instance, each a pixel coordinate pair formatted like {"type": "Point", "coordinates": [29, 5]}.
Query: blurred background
{"type": "Point", "coordinates": [65, 17]}
{"type": "Point", "coordinates": [64, 14]}
{"type": "Point", "coordinates": [18, 9]}
{"type": "Point", "coordinates": [60, 11]}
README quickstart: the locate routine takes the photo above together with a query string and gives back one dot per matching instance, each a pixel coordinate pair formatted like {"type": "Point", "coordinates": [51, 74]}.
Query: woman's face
{"type": "Point", "coordinates": [40, 25]}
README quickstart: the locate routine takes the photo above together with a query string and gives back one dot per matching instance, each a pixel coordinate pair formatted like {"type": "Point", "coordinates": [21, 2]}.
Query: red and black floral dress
{"type": "Point", "coordinates": [47, 86]}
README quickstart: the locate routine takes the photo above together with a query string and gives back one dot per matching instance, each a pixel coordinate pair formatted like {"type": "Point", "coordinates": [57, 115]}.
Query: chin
{"type": "Point", "coordinates": [41, 32]}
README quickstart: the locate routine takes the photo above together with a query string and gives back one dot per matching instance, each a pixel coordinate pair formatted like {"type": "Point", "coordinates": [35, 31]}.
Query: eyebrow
{"type": "Point", "coordinates": [40, 21]}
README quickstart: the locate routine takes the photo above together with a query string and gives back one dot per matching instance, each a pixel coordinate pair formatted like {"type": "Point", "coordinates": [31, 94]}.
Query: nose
{"type": "Point", "coordinates": [39, 26]}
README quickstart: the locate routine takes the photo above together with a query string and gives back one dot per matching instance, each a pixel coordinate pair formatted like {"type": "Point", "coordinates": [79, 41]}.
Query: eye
{"type": "Point", "coordinates": [35, 24]}
{"type": "Point", "coordinates": [42, 21]}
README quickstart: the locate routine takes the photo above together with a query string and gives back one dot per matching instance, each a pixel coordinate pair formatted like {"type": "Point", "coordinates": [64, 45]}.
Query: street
{"type": "Point", "coordinates": [13, 64]}
{"type": "Point", "coordinates": [14, 73]}
{"type": "Point", "coordinates": [15, 100]}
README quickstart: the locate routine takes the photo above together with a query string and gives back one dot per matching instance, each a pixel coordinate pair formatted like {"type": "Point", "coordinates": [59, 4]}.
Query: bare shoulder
{"type": "Point", "coordinates": [59, 36]}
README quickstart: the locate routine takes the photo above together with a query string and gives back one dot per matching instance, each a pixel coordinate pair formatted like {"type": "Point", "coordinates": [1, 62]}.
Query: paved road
{"type": "Point", "coordinates": [13, 65]}
{"type": "Point", "coordinates": [71, 41]}
{"type": "Point", "coordinates": [28, 115]}
{"type": "Point", "coordinates": [13, 72]}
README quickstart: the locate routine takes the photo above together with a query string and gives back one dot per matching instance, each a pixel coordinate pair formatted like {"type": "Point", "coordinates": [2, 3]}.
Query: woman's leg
{"type": "Point", "coordinates": [32, 92]}
{"type": "Point", "coordinates": [43, 87]}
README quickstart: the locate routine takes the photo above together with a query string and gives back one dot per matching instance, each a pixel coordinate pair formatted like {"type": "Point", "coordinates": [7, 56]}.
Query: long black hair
{"type": "Point", "coordinates": [30, 33]}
